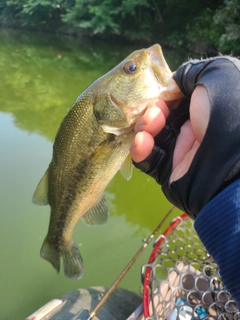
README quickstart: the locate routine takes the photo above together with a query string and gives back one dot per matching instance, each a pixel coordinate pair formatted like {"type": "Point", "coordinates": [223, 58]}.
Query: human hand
{"type": "Point", "coordinates": [192, 149]}
{"type": "Point", "coordinates": [188, 140]}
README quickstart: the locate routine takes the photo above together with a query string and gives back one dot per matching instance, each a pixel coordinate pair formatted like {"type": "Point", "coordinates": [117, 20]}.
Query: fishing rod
{"type": "Point", "coordinates": [127, 268]}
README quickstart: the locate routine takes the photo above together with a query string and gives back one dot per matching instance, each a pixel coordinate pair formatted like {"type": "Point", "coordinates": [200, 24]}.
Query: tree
{"type": "Point", "coordinates": [228, 17]}
{"type": "Point", "coordinates": [126, 18]}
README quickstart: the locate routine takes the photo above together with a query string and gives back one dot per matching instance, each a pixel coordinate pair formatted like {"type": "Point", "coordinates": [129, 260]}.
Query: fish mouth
{"type": "Point", "coordinates": [160, 80]}
{"type": "Point", "coordinates": [159, 65]}
{"type": "Point", "coordinates": [167, 87]}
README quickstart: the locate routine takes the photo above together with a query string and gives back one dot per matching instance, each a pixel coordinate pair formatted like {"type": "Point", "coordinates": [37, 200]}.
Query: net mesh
{"type": "Point", "coordinates": [181, 280]}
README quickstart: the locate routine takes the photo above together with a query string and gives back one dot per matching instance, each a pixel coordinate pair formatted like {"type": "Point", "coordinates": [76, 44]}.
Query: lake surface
{"type": "Point", "coordinates": [40, 77]}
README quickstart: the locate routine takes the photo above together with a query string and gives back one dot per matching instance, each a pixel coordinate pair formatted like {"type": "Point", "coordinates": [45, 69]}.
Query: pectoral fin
{"type": "Point", "coordinates": [40, 196]}
{"type": "Point", "coordinates": [97, 215]}
{"type": "Point", "coordinates": [127, 168]}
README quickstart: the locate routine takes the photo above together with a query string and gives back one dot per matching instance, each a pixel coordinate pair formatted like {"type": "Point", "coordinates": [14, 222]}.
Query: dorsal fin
{"type": "Point", "coordinates": [97, 215]}
{"type": "Point", "coordinates": [40, 196]}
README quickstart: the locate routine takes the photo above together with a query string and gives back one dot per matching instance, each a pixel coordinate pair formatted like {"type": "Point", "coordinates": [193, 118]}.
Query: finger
{"type": "Point", "coordinates": [199, 112]}
{"type": "Point", "coordinates": [152, 121]}
{"type": "Point", "coordinates": [163, 106]}
{"type": "Point", "coordinates": [173, 104]}
{"type": "Point", "coordinates": [184, 165]}
{"type": "Point", "coordinates": [191, 133]}
{"type": "Point", "coordinates": [184, 143]}
{"type": "Point", "coordinates": [142, 146]}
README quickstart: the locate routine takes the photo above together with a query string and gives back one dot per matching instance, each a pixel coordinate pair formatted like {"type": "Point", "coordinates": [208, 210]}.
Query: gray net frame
{"type": "Point", "coordinates": [184, 281]}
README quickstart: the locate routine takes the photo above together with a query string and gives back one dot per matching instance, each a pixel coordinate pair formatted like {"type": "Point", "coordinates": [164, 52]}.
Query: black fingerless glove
{"type": "Point", "coordinates": [217, 161]}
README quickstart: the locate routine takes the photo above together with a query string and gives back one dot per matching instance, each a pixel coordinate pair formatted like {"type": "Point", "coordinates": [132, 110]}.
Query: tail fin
{"type": "Point", "coordinates": [51, 254]}
{"type": "Point", "coordinates": [72, 259]}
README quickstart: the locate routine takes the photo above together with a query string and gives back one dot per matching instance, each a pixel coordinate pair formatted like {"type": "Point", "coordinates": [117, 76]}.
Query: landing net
{"type": "Point", "coordinates": [182, 281]}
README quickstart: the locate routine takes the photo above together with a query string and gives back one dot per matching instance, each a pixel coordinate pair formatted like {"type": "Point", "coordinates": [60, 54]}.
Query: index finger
{"type": "Point", "coordinates": [154, 119]}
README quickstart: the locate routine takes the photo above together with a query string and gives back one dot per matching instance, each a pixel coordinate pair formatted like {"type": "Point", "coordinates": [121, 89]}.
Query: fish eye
{"type": "Point", "coordinates": [130, 68]}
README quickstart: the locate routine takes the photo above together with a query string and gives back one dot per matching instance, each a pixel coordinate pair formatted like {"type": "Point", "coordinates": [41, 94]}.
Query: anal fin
{"type": "Point", "coordinates": [97, 215]}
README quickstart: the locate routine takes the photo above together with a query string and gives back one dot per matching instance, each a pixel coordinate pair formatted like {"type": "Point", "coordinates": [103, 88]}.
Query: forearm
{"type": "Point", "coordinates": [218, 226]}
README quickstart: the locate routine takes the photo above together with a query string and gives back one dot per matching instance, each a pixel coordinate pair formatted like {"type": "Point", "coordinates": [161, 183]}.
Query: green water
{"type": "Point", "coordinates": [40, 78]}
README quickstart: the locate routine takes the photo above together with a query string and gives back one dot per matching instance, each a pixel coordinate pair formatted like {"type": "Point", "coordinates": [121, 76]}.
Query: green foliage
{"type": "Point", "coordinates": [203, 32]}
{"type": "Point", "coordinates": [215, 28]}
{"type": "Point", "coordinates": [95, 16]}
{"type": "Point", "coordinates": [200, 26]}
{"type": "Point", "coordinates": [9, 10]}
{"type": "Point", "coordinates": [228, 17]}
{"type": "Point", "coordinates": [109, 16]}
{"type": "Point", "coordinates": [39, 14]}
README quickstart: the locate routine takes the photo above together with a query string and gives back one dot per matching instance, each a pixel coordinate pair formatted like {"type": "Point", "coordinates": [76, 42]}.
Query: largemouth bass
{"type": "Point", "coordinates": [92, 144]}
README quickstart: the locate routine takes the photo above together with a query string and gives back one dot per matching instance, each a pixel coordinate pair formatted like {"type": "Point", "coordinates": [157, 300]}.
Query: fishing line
{"type": "Point", "coordinates": [127, 268]}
